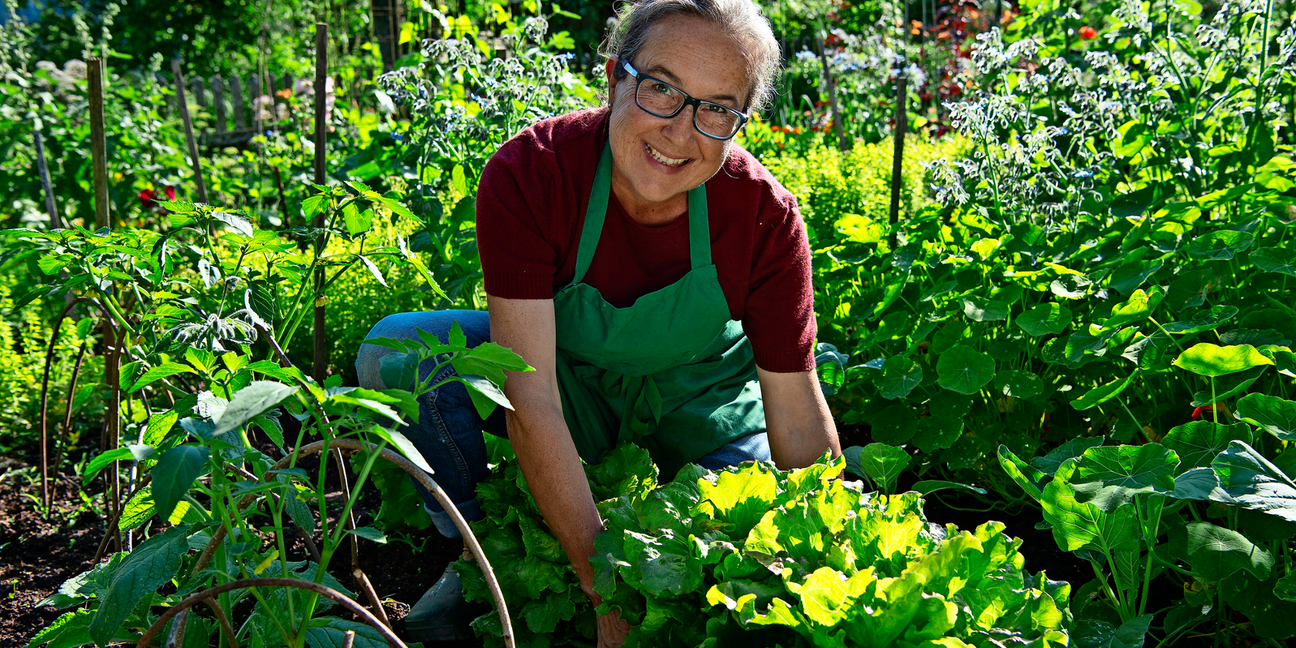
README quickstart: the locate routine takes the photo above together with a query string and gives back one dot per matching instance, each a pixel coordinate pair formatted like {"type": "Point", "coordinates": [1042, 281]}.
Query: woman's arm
{"type": "Point", "coordinates": [797, 417]}
{"type": "Point", "coordinates": [538, 432]}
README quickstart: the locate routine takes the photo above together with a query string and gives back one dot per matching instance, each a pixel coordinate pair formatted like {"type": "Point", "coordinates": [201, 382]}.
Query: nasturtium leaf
{"type": "Point", "coordinates": [257, 397]}
{"type": "Point", "coordinates": [900, 374]}
{"type": "Point", "coordinates": [981, 309]}
{"type": "Point", "coordinates": [1149, 353]}
{"type": "Point", "coordinates": [1220, 245]}
{"type": "Point", "coordinates": [1070, 286]}
{"type": "Point", "coordinates": [1026, 476]}
{"type": "Point", "coordinates": [1285, 588]}
{"type": "Point", "coordinates": [937, 432]}
{"type": "Point", "coordinates": [1206, 359]}
{"type": "Point", "coordinates": [153, 562]}
{"type": "Point", "coordinates": [964, 370]}
{"type": "Point", "coordinates": [1095, 633]}
{"type": "Point", "coordinates": [330, 632]}
{"type": "Point", "coordinates": [1275, 415]}
{"type": "Point", "coordinates": [1255, 337]}
{"type": "Point", "coordinates": [895, 425]}
{"type": "Point", "coordinates": [175, 473]}
{"type": "Point", "coordinates": [929, 486]}
{"type": "Point", "coordinates": [1102, 393]}
{"type": "Point", "coordinates": [1131, 276]}
{"type": "Point", "coordinates": [1136, 309]}
{"type": "Point", "coordinates": [1202, 320]}
{"type": "Point", "coordinates": [1226, 387]}
{"type": "Point", "coordinates": [1044, 319]}
{"type": "Point", "coordinates": [1198, 442]}
{"type": "Point", "coordinates": [1253, 482]}
{"type": "Point", "coordinates": [1072, 449]}
{"type": "Point", "coordinates": [1275, 260]}
{"type": "Point", "coordinates": [881, 463]}
{"type": "Point", "coordinates": [1215, 553]}
{"type": "Point", "coordinates": [1078, 525]}
{"type": "Point", "coordinates": [1111, 476]}
{"type": "Point", "coordinates": [1199, 484]}
{"type": "Point", "coordinates": [950, 404]}
{"type": "Point", "coordinates": [1018, 384]}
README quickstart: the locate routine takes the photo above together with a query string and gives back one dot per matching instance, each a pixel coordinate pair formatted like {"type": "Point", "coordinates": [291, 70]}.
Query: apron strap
{"type": "Point", "coordinates": [594, 214]}
{"type": "Point", "coordinates": [596, 211]}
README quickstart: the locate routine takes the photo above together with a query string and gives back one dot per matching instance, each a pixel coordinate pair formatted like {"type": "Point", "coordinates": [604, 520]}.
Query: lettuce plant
{"type": "Point", "coordinates": [755, 554]}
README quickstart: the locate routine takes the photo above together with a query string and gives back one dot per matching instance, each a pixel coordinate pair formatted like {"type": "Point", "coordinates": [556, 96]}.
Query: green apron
{"type": "Point", "coordinates": [672, 372]}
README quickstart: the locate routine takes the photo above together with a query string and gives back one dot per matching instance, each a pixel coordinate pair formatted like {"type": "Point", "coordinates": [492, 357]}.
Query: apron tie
{"type": "Point", "coordinates": [641, 411]}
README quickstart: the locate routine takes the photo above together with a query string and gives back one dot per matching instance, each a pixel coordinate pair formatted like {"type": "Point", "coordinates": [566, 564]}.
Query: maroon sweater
{"type": "Point", "coordinates": [531, 208]}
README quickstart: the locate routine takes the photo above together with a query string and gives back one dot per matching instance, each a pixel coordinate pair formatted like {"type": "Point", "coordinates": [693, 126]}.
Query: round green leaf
{"type": "Point", "coordinates": [1018, 384]}
{"type": "Point", "coordinates": [964, 370]}
{"type": "Point", "coordinates": [1203, 320]}
{"type": "Point", "coordinates": [1206, 359]}
{"type": "Point", "coordinates": [1274, 260]}
{"type": "Point", "coordinates": [1135, 309]}
{"type": "Point", "coordinates": [980, 309]}
{"type": "Point", "coordinates": [937, 432]}
{"type": "Point", "coordinates": [1275, 415]}
{"type": "Point", "coordinates": [881, 463]}
{"type": "Point", "coordinates": [1220, 245]}
{"type": "Point", "coordinates": [895, 425]}
{"type": "Point", "coordinates": [1198, 442]}
{"type": "Point", "coordinates": [900, 374]}
{"type": "Point", "coordinates": [1216, 553]}
{"type": "Point", "coordinates": [1045, 319]}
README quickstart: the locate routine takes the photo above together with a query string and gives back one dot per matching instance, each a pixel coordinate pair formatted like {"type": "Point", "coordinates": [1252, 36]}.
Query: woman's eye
{"type": "Point", "coordinates": [662, 88]}
{"type": "Point", "coordinates": [716, 108]}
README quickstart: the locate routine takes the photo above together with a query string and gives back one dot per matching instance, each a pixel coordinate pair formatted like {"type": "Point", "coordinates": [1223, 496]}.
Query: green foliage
{"type": "Point", "coordinates": [754, 554]}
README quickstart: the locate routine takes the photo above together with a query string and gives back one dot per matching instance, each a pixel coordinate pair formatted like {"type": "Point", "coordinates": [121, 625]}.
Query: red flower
{"type": "Point", "coordinates": [1088, 33]}
{"type": "Point", "coordinates": [149, 198]}
{"type": "Point", "coordinates": [1206, 412]}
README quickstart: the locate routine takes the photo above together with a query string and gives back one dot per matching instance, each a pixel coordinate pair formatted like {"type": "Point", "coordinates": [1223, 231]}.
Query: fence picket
{"type": "Point", "coordinates": [218, 98]}
{"type": "Point", "coordinates": [236, 95]}
{"type": "Point", "coordinates": [199, 97]}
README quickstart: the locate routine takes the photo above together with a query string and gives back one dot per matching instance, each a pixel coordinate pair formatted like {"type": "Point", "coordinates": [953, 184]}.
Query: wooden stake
{"type": "Point", "coordinates": [321, 154]}
{"type": "Point", "coordinates": [901, 124]}
{"type": "Point", "coordinates": [188, 126]}
{"type": "Point", "coordinates": [43, 169]}
{"type": "Point", "coordinates": [832, 94]}
{"type": "Point", "coordinates": [98, 147]}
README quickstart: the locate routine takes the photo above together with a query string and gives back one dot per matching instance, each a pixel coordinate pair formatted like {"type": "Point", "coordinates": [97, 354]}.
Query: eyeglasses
{"type": "Point", "coordinates": [661, 99]}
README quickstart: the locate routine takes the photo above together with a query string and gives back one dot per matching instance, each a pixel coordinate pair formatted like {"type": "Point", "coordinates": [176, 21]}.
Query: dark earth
{"type": "Point", "coordinates": [37, 554]}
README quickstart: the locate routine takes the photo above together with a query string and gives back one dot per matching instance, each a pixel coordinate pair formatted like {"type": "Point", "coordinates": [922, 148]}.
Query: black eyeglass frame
{"type": "Point", "coordinates": [688, 101]}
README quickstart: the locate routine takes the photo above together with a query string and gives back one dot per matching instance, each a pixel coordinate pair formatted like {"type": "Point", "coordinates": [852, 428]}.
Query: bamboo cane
{"type": "Point", "coordinates": [188, 126]}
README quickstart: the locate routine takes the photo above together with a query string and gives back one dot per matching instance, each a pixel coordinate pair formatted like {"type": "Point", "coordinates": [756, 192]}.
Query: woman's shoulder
{"type": "Point", "coordinates": [556, 141]}
{"type": "Point", "coordinates": [744, 181]}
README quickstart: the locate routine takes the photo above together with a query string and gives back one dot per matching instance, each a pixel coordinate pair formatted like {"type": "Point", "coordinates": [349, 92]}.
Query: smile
{"type": "Point", "coordinates": [670, 162]}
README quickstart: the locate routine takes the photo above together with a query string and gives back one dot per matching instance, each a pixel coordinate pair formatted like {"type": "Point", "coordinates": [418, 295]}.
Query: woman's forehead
{"type": "Point", "coordinates": [696, 56]}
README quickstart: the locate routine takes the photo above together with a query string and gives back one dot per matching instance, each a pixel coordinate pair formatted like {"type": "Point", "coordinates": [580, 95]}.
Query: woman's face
{"type": "Point", "coordinates": [656, 161]}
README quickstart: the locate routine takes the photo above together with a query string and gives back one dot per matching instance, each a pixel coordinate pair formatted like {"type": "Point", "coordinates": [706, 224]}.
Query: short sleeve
{"type": "Point", "coordinates": [518, 255]}
{"type": "Point", "coordinates": [779, 316]}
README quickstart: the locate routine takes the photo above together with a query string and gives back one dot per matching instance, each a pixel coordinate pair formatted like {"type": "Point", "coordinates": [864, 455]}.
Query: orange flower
{"type": "Point", "coordinates": [1088, 33]}
{"type": "Point", "coordinates": [284, 94]}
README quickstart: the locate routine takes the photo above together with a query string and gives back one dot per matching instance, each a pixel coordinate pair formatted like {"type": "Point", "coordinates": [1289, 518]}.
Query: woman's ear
{"type": "Point", "coordinates": [610, 70]}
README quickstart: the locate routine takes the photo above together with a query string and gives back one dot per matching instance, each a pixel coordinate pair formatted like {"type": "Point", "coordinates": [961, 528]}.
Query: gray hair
{"type": "Point", "coordinates": [628, 34]}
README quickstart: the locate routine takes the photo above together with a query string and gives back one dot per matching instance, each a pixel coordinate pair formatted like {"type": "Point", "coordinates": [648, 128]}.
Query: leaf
{"type": "Point", "coordinates": [236, 222]}
{"type": "Point", "coordinates": [1216, 553]}
{"type": "Point", "coordinates": [895, 425]}
{"type": "Point", "coordinates": [174, 474]}
{"type": "Point", "coordinates": [1021, 472]}
{"type": "Point", "coordinates": [964, 370]}
{"type": "Point", "coordinates": [1220, 245]}
{"type": "Point", "coordinates": [330, 632]}
{"type": "Point", "coordinates": [369, 533]}
{"type": "Point", "coordinates": [1253, 482]}
{"type": "Point", "coordinates": [1078, 525]}
{"type": "Point", "coordinates": [485, 394]}
{"type": "Point", "coordinates": [929, 486]}
{"type": "Point", "coordinates": [1202, 321]}
{"type": "Point", "coordinates": [900, 374]}
{"type": "Point", "coordinates": [1198, 442]}
{"type": "Point", "coordinates": [881, 463]}
{"type": "Point", "coordinates": [1274, 260]}
{"type": "Point", "coordinates": [102, 460]}
{"type": "Point", "coordinates": [373, 269]}
{"type": "Point", "coordinates": [980, 309]}
{"type": "Point", "coordinates": [1044, 319]}
{"type": "Point", "coordinates": [1102, 393]}
{"type": "Point", "coordinates": [153, 562]}
{"type": "Point", "coordinates": [1275, 415]}
{"type": "Point", "coordinates": [1110, 476]}
{"type": "Point", "coordinates": [249, 402]}
{"type": "Point", "coordinates": [1206, 359]}
{"type": "Point", "coordinates": [1136, 309]}
{"type": "Point", "coordinates": [156, 373]}
{"type": "Point", "coordinates": [405, 446]}
{"type": "Point", "coordinates": [1285, 588]}
{"type": "Point", "coordinates": [1018, 384]}
{"type": "Point", "coordinates": [937, 432]}
{"type": "Point", "coordinates": [73, 629]}
{"type": "Point", "coordinates": [1134, 137]}
{"type": "Point", "coordinates": [1093, 633]}
{"type": "Point", "coordinates": [1072, 449]}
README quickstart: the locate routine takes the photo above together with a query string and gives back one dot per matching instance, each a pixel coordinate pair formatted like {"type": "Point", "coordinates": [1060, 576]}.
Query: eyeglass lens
{"type": "Point", "coordinates": [664, 100]}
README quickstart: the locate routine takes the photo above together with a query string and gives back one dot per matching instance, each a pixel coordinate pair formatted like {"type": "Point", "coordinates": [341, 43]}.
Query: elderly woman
{"type": "Point", "coordinates": [653, 273]}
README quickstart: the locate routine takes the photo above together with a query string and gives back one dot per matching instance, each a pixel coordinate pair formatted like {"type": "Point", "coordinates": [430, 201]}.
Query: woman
{"type": "Point", "coordinates": [655, 276]}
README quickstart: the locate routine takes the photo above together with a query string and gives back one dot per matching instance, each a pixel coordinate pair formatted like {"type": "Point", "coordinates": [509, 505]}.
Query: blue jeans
{"type": "Point", "coordinates": [449, 431]}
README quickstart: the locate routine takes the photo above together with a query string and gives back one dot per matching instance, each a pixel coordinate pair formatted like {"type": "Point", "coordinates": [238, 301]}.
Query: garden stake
{"type": "Point", "coordinates": [283, 200]}
{"type": "Point", "coordinates": [176, 637]}
{"type": "Point", "coordinates": [321, 76]}
{"type": "Point", "coordinates": [901, 123]}
{"type": "Point", "coordinates": [188, 126]}
{"type": "Point", "coordinates": [363, 584]}
{"type": "Point", "coordinates": [348, 639]}
{"type": "Point", "coordinates": [112, 421]}
{"type": "Point", "coordinates": [322, 590]}
{"type": "Point", "coordinates": [43, 169]}
{"type": "Point", "coordinates": [98, 148]}
{"type": "Point", "coordinates": [44, 408]}
{"type": "Point", "coordinates": [832, 92]}
{"type": "Point", "coordinates": [61, 445]}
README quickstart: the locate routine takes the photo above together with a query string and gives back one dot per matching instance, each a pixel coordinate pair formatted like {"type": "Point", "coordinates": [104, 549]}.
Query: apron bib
{"type": "Point", "coordinates": [672, 372]}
